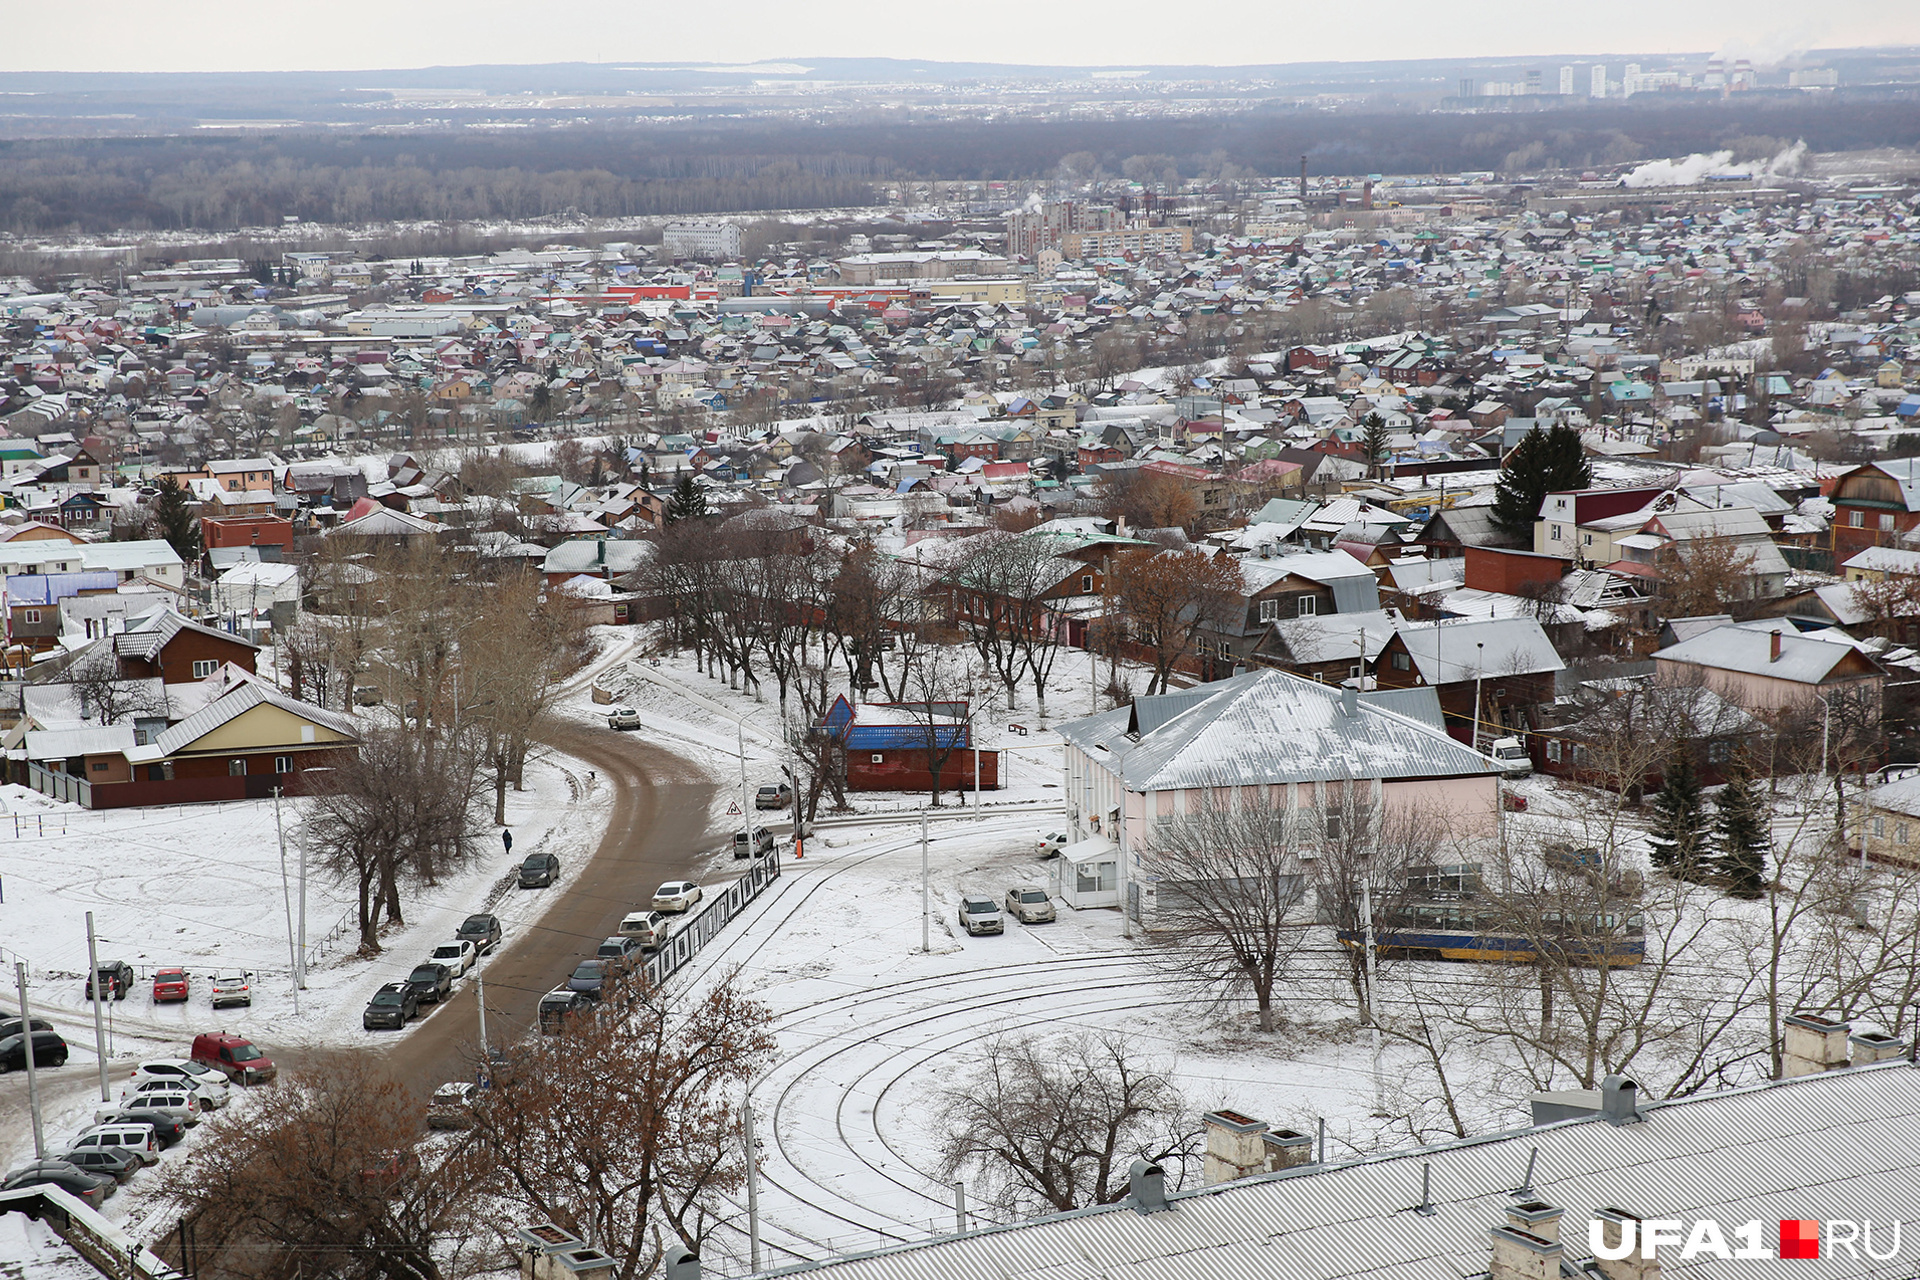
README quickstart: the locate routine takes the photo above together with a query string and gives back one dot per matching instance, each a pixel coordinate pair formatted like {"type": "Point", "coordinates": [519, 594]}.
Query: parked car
{"type": "Point", "coordinates": [560, 1005]}
{"type": "Point", "coordinates": [232, 987]}
{"type": "Point", "coordinates": [49, 1050]}
{"type": "Point", "coordinates": [483, 931]}
{"type": "Point", "coordinates": [90, 1188]}
{"type": "Point", "coordinates": [979, 915]}
{"type": "Point", "coordinates": [593, 977]}
{"type": "Point", "coordinates": [648, 928]}
{"type": "Point", "coordinates": [451, 1106]}
{"type": "Point", "coordinates": [11, 1026]}
{"type": "Point", "coordinates": [431, 982]}
{"type": "Point", "coordinates": [136, 1140]}
{"type": "Point", "coordinates": [676, 896]}
{"type": "Point", "coordinates": [621, 952]}
{"type": "Point", "coordinates": [1515, 762]}
{"type": "Point", "coordinates": [235, 1057]}
{"type": "Point", "coordinates": [391, 1008]}
{"type": "Point", "coordinates": [752, 844]}
{"type": "Point", "coordinates": [104, 1162]}
{"type": "Point", "coordinates": [169, 985]}
{"type": "Point", "coordinates": [208, 1096]}
{"type": "Point", "coordinates": [166, 1127]}
{"type": "Point", "coordinates": [538, 870]}
{"type": "Point", "coordinates": [185, 1073]}
{"type": "Point", "coordinates": [1053, 842]}
{"type": "Point", "coordinates": [457, 955]}
{"type": "Point", "coordinates": [115, 977]}
{"type": "Point", "coordinates": [1029, 904]}
{"type": "Point", "coordinates": [182, 1106]}
{"type": "Point", "coordinates": [773, 797]}
{"type": "Point", "coordinates": [623, 718]}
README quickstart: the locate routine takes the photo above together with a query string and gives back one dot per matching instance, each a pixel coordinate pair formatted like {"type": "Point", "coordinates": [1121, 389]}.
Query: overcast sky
{"type": "Point", "coordinates": [245, 35]}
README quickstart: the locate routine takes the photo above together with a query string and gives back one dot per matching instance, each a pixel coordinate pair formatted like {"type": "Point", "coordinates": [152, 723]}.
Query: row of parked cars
{"type": "Point", "coordinates": [1027, 903]}
{"type": "Point", "coordinates": [396, 1004]}
{"type": "Point", "coordinates": [160, 1101]}
{"type": "Point", "coordinates": [643, 931]}
{"type": "Point", "coordinates": [114, 979]}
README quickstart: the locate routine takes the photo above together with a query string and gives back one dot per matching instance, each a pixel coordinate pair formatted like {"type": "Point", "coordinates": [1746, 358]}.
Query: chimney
{"type": "Point", "coordinates": [1147, 1186]}
{"type": "Point", "coordinates": [1286, 1149]}
{"type": "Point", "coordinates": [1614, 1224]}
{"type": "Point", "coordinates": [681, 1262]}
{"type": "Point", "coordinates": [1875, 1046]}
{"type": "Point", "coordinates": [1812, 1044]}
{"type": "Point", "coordinates": [1234, 1146]}
{"type": "Point", "coordinates": [1773, 646]}
{"type": "Point", "coordinates": [1366, 194]}
{"type": "Point", "coordinates": [1536, 1217]}
{"type": "Point", "coordinates": [1619, 1100]}
{"type": "Point", "coordinates": [1349, 700]}
{"type": "Point", "coordinates": [600, 554]}
{"type": "Point", "coordinates": [1303, 179]}
{"type": "Point", "coordinates": [1519, 1254]}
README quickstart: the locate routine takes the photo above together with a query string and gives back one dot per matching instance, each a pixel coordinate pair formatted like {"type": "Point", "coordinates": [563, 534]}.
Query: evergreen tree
{"type": "Point", "coordinates": [1679, 821]}
{"type": "Point", "coordinates": [1740, 836]}
{"type": "Point", "coordinates": [688, 500]}
{"type": "Point", "coordinates": [1543, 462]}
{"type": "Point", "coordinates": [1373, 442]}
{"type": "Point", "coordinates": [178, 525]}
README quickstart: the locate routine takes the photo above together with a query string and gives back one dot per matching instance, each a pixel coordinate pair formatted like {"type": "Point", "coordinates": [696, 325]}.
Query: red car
{"type": "Point", "coordinates": [235, 1057]}
{"type": "Point", "coordinates": [169, 984]}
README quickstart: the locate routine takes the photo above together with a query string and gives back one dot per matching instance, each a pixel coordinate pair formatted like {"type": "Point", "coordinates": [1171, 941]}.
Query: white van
{"type": "Point", "coordinates": [1513, 757]}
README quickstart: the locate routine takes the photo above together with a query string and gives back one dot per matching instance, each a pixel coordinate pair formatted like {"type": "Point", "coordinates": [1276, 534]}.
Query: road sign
{"type": "Point", "coordinates": [733, 810]}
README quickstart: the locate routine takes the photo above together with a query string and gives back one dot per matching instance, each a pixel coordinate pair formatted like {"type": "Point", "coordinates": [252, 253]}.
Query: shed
{"type": "Point", "coordinates": [1088, 873]}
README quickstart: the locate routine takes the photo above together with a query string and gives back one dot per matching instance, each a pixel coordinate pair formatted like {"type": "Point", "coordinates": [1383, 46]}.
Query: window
{"type": "Point", "coordinates": [1086, 584]}
{"type": "Point", "coordinates": [1553, 750]}
{"type": "Point", "coordinates": [1879, 826]}
{"type": "Point", "coordinates": [1856, 518]}
{"type": "Point", "coordinates": [1900, 833]}
{"type": "Point", "coordinates": [1306, 607]}
{"type": "Point", "coordinates": [1586, 539]}
{"type": "Point", "coordinates": [1401, 662]}
{"type": "Point", "coordinates": [283, 764]}
{"type": "Point", "coordinates": [236, 768]}
{"type": "Point", "coordinates": [30, 616]}
{"type": "Point", "coordinates": [100, 766]}
{"type": "Point", "coordinates": [1269, 610]}
{"type": "Point", "coordinates": [1719, 752]}
{"type": "Point", "coordinates": [1886, 521]}
{"type": "Point", "coordinates": [1553, 533]}
{"type": "Point", "coordinates": [204, 668]}
{"type": "Point", "coordinates": [1330, 823]}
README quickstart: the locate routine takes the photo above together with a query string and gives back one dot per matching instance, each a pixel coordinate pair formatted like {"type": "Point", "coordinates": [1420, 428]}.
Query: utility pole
{"type": "Point", "coordinates": [300, 976]}
{"type": "Point", "coordinates": [1372, 967]}
{"type": "Point", "coordinates": [286, 900]}
{"type": "Point", "coordinates": [33, 1079]}
{"type": "Point", "coordinates": [926, 909]}
{"type": "Point", "coordinates": [480, 995]}
{"type": "Point", "coordinates": [746, 803]}
{"type": "Point", "coordinates": [1479, 670]}
{"type": "Point", "coordinates": [753, 1183]}
{"type": "Point", "coordinates": [960, 1205]}
{"type": "Point", "coordinates": [99, 1027]}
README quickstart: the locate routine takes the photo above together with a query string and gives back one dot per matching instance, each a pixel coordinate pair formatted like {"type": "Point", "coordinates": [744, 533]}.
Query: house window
{"type": "Point", "coordinates": [1719, 752]}
{"type": "Point", "coordinates": [1401, 662]}
{"type": "Point", "coordinates": [1856, 518]}
{"type": "Point", "coordinates": [236, 768]}
{"type": "Point", "coordinates": [156, 773]}
{"type": "Point", "coordinates": [1553, 533]}
{"type": "Point", "coordinates": [1306, 607]}
{"type": "Point", "coordinates": [283, 764]}
{"type": "Point", "coordinates": [100, 766]}
{"type": "Point", "coordinates": [31, 616]}
{"type": "Point", "coordinates": [1269, 610]}
{"type": "Point", "coordinates": [1900, 833]}
{"type": "Point", "coordinates": [1086, 584]}
{"type": "Point", "coordinates": [1330, 823]}
{"type": "Point", "coordinates": [204, 668]}
{"type": "Point", "coordinates": [1553, 750]}
{"type": "Point", "coordinates": [1586, 539]}
{"type": "Point", "coordinates": [1879, 826]}
{"type": "Point", "coordinates": [1886, 521]}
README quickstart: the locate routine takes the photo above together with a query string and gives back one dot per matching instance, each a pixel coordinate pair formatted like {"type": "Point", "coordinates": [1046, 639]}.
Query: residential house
{"type": "Point", "coordinates": [1768, 666]}
{"type": "Point", "coordinates": [1492, 674]}
{"type": "Point", "coordinates": [1873, 505]}
{"type": "Point", "coordinates": [894, 746]}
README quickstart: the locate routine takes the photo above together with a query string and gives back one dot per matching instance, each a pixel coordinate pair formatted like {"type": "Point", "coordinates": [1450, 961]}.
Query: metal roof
{"type": "Point", "coordinates": [1447, 652]}
{"type": "Point", "coordinates": [1833, 1146]}
{"type": "Point", "coordinates": [1749, 650]}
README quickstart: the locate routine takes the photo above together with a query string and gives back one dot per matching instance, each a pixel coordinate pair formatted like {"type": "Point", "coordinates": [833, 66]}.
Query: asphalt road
{"type": "Point", "coordinates": [657, 831]}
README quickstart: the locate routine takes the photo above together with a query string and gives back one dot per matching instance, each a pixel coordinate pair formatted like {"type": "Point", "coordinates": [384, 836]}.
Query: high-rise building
{"type": "Point", "coordinates": [1466, 86]}
{"type": "Point", "coordinates": [1533, 80]}
{"type": "Point", "coordinates": [1031, 230]}
{"type": "Point", "coordinates": [1566, 82]}
{"type": "Point", "coordinates": [1630, 80]}
{"type": "Point", "coordinates": [715, 240]}
{"type": "Point", "coordinates": [1597, 85]}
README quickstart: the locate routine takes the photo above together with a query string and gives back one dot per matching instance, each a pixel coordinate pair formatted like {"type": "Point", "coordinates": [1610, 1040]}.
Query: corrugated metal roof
{"type": "Point", "coordinates": [1838, 1145]}
{"type": "Point", "coordinates": [242, 698]}
{"type": "Point", "coordinates": [1448, 652]}
{"type": "Point", "coordinates": [1749, 650]}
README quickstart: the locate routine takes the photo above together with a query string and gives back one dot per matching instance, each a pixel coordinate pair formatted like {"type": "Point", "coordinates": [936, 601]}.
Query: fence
{"type": "Point", "coordinates": [686, 942]}
{"type": "Point", "coordinates": [61, 786]}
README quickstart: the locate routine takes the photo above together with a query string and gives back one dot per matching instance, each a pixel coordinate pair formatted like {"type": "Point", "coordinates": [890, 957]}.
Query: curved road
{"type": "Point", "coordinates": [657, 831]}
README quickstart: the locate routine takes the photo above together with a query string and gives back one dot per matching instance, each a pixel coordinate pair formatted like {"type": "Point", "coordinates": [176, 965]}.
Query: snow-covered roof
{"type": "Point", "coordinates": [1263, 728]}
{"type": "Point", "coordinates": [1446, 652]}
{"type": "Point", "coordinates": [243, 698]}
{"type": "Point", "coordinates": [1749, 650]}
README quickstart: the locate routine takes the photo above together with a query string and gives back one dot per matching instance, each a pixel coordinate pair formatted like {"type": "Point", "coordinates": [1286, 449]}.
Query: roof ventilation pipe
{"type": "Point", "coordinates": [1147, 1185]}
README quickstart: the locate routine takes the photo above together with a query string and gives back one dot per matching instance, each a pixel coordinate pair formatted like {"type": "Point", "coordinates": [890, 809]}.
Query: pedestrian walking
{"type": "Point", "coordinates": [506, 838]}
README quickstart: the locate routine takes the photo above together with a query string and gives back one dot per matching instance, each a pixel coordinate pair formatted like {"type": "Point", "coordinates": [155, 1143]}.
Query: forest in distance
{"type": "Point", "coordinates": [226, 180]}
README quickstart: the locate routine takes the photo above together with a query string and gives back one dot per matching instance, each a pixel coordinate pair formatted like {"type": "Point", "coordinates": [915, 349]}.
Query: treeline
{"type": "Point", "coordinates": [608, 170]}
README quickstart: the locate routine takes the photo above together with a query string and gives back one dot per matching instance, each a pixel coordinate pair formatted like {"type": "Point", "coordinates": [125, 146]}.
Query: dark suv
{"type": "Point", "coordinates": [431, 982]}
{"type": "Point", "coordinates": [539, 870]}
{"type": "Point", "coordinates": [49, 1050]}
{"type": "Point", "coordinates": [115, 978]}
{"type": "Point", "coordinates": [483, 931]}
{"type": "Point", "coordinates": [391, 1007]}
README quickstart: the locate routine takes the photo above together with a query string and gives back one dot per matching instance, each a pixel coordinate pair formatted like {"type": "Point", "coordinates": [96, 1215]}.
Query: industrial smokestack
{"type": "Point", "coordinates": [1303, 179]}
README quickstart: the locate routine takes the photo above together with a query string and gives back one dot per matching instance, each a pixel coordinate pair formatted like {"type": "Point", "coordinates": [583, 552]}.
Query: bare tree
{"type": "Point", "coordinates": [624, 1127]}
{"type": "Point", "coordinates": [523, 645]}
{"type": "Point", "coordinates": [1055, 1124]}
{"type": "Point", "coordinates": [106, 693]}
{"type": "Point", "coordinates": [1167, 599]}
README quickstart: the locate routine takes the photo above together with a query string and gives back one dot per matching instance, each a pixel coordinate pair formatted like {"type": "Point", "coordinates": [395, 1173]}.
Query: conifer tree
{"type": "Point", "coordinates": [1740, 836]}
{"type": "Point", "coordinates": [688, 500]}
{"type": "Point", "coordinates": [1543, 462]}
{"type": "Point", "coordinates": [1679, 820]}
{"type": "Point", "coordinates": [178, 525]}
{"type": "Point", "coordinates": [1373, 442]}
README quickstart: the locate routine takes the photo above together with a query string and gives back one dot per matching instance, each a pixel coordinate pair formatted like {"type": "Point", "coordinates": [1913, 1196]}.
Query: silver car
{"type": "Point", "coordinates": [1029, 904]}
{"type": "Point", "coordinates": [979, 915]}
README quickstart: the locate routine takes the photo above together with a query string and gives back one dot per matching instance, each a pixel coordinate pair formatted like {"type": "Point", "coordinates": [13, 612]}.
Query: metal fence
{"type": "Point", "coordinates": [61, 786]}
{"type": "Point", "coordinates": [705, 924]}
